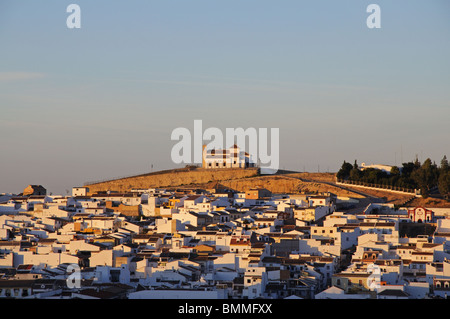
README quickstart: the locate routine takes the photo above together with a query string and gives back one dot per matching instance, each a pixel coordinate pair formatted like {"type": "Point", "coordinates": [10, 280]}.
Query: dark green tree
{"type": "Point", "coordinates": [408, 168]}
{"type": "Point", "coordinates": [444, 184]}
{"type": "Point", "coordinates": [426, 177]}
{"type": "Point", "coordinates": [444, 164]}
{"type": "Point", "coordinates": [354, 174]}
{"type": "Point", "coordinates": [344, 172]}
{"type": "Point", "coordinates": [395, 171]}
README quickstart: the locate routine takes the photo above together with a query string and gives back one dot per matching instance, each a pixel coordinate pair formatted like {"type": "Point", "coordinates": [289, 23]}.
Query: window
{"type": "Point", "coordinates": [115, 274]}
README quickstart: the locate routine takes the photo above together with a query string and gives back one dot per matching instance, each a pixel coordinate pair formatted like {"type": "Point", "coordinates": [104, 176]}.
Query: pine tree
{"type": "Point", "coordinates": [444, 184]}
{"type": "Point", "coordinates": [444, 164]}
{"type": "Point", "coordinates": [344, 172]}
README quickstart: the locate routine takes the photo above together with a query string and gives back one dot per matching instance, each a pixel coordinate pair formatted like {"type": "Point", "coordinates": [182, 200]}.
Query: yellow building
{"type": "Point", "coordinates": [172, 202]}
{"type": "Point", "coordinates": [351, 282]}
{"type": "Point", "coordinates": [306, 214]}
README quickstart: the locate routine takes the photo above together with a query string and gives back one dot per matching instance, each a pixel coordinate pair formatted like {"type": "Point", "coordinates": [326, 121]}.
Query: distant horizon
{"type": "Point", "coordinates": [111, 178]}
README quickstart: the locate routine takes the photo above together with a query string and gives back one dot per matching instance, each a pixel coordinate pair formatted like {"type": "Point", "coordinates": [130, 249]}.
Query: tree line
{"type": "Point", "coordinates": [425, 176]}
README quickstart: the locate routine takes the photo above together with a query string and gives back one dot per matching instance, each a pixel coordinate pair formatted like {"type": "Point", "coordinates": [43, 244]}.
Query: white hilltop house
{"type": "Point", "coordinates": [232, 157]}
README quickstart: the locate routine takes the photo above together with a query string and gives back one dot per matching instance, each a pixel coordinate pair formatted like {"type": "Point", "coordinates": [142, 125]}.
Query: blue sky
{"type": "Point", "coordinates": [86, 104]}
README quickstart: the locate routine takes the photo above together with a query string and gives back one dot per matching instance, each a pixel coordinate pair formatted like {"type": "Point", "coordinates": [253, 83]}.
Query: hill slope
{"type": "Point", "coordinates": [171, 178]}
{"type": "Point", "coordinates": [237, 179]}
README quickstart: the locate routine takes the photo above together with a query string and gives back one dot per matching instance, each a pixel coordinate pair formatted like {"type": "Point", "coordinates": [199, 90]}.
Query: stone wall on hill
{"type": "Point", "coordinates": [180, 177]}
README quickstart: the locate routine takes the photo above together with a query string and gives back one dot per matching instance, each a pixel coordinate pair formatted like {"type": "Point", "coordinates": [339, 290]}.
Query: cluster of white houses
{"type": "Point", "coordinates": [216, 243]}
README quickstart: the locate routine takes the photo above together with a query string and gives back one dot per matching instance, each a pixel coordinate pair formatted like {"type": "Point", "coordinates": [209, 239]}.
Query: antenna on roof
{"type": "Point", "coordinates": [401, 154]}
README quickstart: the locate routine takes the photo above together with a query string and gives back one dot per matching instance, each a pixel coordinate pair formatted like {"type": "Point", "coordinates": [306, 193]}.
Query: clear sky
{"type": "Point", "coordinates": [98, 102]}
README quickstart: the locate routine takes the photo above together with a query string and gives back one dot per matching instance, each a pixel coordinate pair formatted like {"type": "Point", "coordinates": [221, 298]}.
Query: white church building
{"type": "Point", "coordinates": [232, 157]}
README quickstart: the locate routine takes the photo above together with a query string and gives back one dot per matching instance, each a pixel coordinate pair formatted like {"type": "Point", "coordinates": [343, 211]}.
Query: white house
{"type": "Point", "coordinates": [101, 258]}
{"type": "Point", "coordinates": [50, 259]}
{"type": "Point", "coordinates": [417, 290]}
{"type": "Point", "coordinates": [312, 213]}
{"type": "Point", "coordinates": [107, 274]}
{"type": "Point", "coordinates": [339, 218]}
{"type": "Point", "coordinates": [255, 281]}
{"type": "Point", "coordinates": [80, 191]}
{"type": "Point", "coordinates": [232, 157]}
{"type": "Point", "coordinates": [168, 225]}
{"type": "Point", "coordinates": [191, 202]}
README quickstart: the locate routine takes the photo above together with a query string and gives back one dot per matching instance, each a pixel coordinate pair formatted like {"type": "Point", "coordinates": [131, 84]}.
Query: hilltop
{"type": "Point", "coordinates": [238, 179]}
{"type": "Point", "coordinates": [171, 178]}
